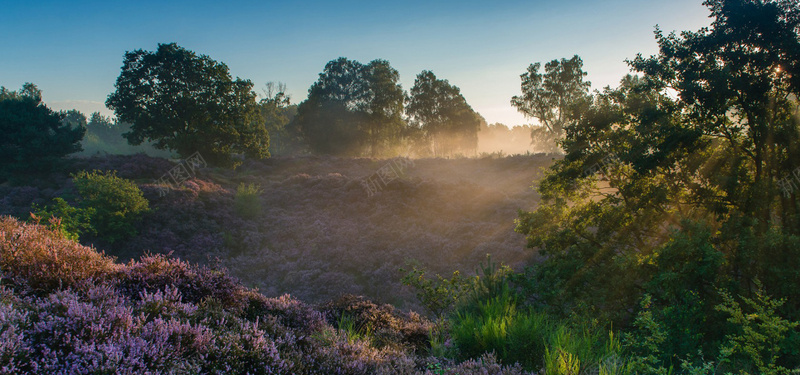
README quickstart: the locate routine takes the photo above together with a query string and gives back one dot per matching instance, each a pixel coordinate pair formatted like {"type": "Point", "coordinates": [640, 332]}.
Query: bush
{"type": "Point", "coordinates": [439, 294]}
{"type": "Point", "coordinates": [117, 202]}
{"type": "Point", "coordinates": [247, 204]}
{"type": "Point", "coordinates": [71, 221]}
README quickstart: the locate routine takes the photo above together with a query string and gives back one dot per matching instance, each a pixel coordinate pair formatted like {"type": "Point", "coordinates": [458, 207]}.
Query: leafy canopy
{"type": "Point", "coordinates": [441, 112]}
{"type": "Point", "coordinates": [352, 109]}
{"type": "Point", "coordinates": [553, 97]}
{"type": "Point", "coordinates": [674, 184]}
{"type": "Point", "coordinates": [188, 103]}
{"type": "Point", "coordinates": [34, 137]}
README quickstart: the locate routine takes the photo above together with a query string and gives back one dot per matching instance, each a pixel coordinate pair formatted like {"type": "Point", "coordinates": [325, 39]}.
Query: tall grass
{"type": "Point", "coordinates": [492, 320]}
{"type": "Point", "coordinates": [248, 204]}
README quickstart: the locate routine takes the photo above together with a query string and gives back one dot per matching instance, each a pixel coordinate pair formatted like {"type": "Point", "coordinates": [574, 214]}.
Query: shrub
{"type": "Point", "coordinates": [117, 202]}
{"type": "Point", "coordinates": [438, 295]}
{"type": "Point", "coordinates": [760, 334]}
{"type": "Point", "coordinates": [71, 221]}
{"type": "Point", "coordinates": [384, 324]}
{"type": "Point", "coordinates": [248, 204]}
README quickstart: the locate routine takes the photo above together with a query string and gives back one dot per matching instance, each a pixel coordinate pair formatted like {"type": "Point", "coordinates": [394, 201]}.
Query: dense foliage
{"type": "Point", "coordinates": [188, 103]}
{"type": "Point", "coordinates": [352, 109]}
{"type": "Point", "coordinates": [113, 204]}
{"type": "Point", "coordinates": [685, 199]}
{"type": "Point", "coordinates": [439, 110]}
{"type": "Point", "coordinates": [33, 138]}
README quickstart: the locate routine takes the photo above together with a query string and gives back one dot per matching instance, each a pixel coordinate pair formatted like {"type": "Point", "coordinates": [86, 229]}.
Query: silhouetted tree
{"type": "Point", "coordinates": [554, 97]}
{"type": "Point", "coordinates": [188, 102]}
{"type": "Point", "coordinates": [352, 108]}
{"type": "Point", "coordinates": [439, 109]}
{"type": "Point", "coordinates": [34, 137]}
{"type": "Point", "coordinates": [277, 111]}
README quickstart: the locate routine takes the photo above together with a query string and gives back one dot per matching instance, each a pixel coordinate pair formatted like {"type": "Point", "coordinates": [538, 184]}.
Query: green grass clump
{"type": "Point", "coordinates": [247, 203]}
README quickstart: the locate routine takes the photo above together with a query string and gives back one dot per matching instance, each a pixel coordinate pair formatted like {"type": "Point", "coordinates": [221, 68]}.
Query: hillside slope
{"type": "Point", "coordinates": [67, 309]}
{"type": "Point", "coordinates": [320, 234]}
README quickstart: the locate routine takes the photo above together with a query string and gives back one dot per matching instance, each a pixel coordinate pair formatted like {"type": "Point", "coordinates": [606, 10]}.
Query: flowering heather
{"type": "Point", "coordinates": [67, 309]}
{"type": "Point", "coordinates": [39, 260]}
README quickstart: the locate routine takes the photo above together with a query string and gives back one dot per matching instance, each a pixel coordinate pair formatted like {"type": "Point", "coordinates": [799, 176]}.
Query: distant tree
{"type": "Point", "coordinates": [276, 112]}
{"type": "Point", "coordinates": [439, 109]}
{"type": "Point", "coordinates": [554, 97]}
{"type": "Point", "coordinates": [352, 108]}
{"type": "Point", "coordinates": [34, 138]}
{"type": "Point", "coordinates": [498, 137]}
{"type": "Point", "coordinates": [384, 108]}
{"type": "Point", "coordinates": [188, 102]}
{"type": "Point", "coordinates": [74, 118]}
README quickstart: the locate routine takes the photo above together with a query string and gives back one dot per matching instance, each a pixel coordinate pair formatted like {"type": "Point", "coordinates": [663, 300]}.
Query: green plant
{"type": "Point", "coordinates": [760, 333]}
{"type": "Point", "coordinates": [247, 203]}
{"type": "Point", "coordinates": [71, 222]}
{"type": "Point", "coordinates": [644, 342]}
{"type": "Point", "coordinates": [354, 331]}
{"type": "Point", "coordinates": [561, 362]}
{"type": "Point", "coordinates": [118, 203]}
{"type": "Point", "coordinates": [438, 294]}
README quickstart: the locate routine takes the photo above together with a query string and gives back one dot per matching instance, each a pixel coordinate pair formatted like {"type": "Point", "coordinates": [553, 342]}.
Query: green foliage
{"type": "Point", "coordinates": [352, 109]}
{"type": "Point", "coordinates": [438, 294]}
{"type": "Point", "coordinates": [675, 196]}
{"type": "Point", "coordinates": [355, 332]}
{"type": "Point", "coordinates": [34, 137]}
{"type": "Point", "coordinates": [188, 103]}
{"type": "Point", "coordinates": [759, 333]}
{"type": "Point", "coordinates": [555, 98]}
{"type": "Point", "coordinates": [248, 202]}
{"type": "Point", "coordinates": [561, 362]}
{"type": "Point", "coordinates": [71, 221]}
{"type": "Point", "coordinates": [645, 342]}
{"type": "Point", "coordinates": [117, 203]}
{"type": "Point", "coordinates": [277, 112]}
{"type": "Point", "coordinates": [491, 319]}
{"type": "Point", "coordinates": [439, 110]}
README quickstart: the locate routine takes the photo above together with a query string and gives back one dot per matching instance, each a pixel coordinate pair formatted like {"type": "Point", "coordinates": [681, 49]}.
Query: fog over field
{"type": "Point", "coordinates": [420, 187]}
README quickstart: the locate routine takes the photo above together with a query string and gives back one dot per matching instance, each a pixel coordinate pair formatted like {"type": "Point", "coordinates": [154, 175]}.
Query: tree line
{"type": "Point", "coordinates": [176, 100]}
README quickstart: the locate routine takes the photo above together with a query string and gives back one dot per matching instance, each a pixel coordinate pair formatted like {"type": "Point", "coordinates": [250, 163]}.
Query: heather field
{"type": "Point", "coordinates": [525, 189]}
{"type": "Point", "coordinates": [318, 233]}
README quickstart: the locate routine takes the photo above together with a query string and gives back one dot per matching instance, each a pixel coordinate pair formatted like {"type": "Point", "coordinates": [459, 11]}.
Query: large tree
{"type": "Point", "coordinates": [188, 103]}
{"type": "Point", "coordinates": [553, 97]}
{"type": "Point", "coordinates": [442, 113]}
{"type": "Point", "coordinates": [352, 109]}
{"type": "Point", "coordinates": [699, 193]}
{"type": "Point", "coordinates": [33, 138]}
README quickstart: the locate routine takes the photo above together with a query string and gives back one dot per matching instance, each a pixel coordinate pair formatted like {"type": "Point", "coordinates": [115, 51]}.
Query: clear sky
{"type": "Point", "coordinates": [73, 50]}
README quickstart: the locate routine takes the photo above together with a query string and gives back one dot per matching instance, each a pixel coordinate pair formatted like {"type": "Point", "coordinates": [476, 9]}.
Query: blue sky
{"type": "Point", "coordinates": [73, 50]}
